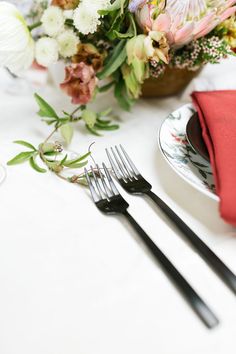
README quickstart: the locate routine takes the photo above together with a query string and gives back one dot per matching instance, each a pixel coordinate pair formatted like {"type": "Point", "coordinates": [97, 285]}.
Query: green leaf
{"type": "Point", "coordinates": [131, 32]}
{"type": "Point", "coordinates": [63, 160]}
{"type": "Point", "coordinates": [68, 163]}
{"type": "Point", "coordinates": [106, 127]}
{"type": "Point", "coordinates": [103, 122]}
{"type": "Point", "coordinates": [25, 143]}
{"type": "Point", "coordinates": [45, 109]}
{"type": "Point", "coordinates": [105, 113]}
{"type": "Point", "coordinates": [89, 117]}
{"type": "Point", "coordinates": [78, 165]}
{"type": "Point", "coordinates": [106, 87]}
{"type": "Point", "coordinates": [122, 96]}
{"type": "Point", "coordinates": [20, 158]}
{"type": "Point", "coordinates": [35, 166]}
{"type": "Point", "coordinates": [115, 61]}
{"type": "Point", "coordinates": [92, 130]}
{"type": "Point", "coordinates": [67, 133]}
{"type": "Point", "coordinates": [47, 147]}
{"type": "Point", "coordinates": [116, 5]}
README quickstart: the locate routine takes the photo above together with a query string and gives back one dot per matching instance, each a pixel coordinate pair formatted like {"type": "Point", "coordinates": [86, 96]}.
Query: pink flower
{"type": "Point", "coordinates": [80, 82]}
{"type": "Point", "coordinates": [184, 21]}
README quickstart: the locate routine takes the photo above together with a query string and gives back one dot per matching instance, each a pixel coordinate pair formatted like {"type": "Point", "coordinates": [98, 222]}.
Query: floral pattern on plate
{"type": "Point", "coordinates": [181, 156]}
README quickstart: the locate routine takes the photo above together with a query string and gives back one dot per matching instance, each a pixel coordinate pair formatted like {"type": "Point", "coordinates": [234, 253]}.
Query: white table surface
{"type": "Point", "coordinates": [73, 281]}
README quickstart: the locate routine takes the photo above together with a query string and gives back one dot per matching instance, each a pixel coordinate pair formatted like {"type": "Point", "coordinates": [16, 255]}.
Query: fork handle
{"type": "Point", "coordinates": [210, 257]}
{"type": "Point", "coordinates": [197, 304]}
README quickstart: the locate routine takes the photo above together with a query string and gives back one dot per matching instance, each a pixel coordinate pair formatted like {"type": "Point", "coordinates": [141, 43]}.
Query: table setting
{"type": "Point", "coordinates": [117, 166]}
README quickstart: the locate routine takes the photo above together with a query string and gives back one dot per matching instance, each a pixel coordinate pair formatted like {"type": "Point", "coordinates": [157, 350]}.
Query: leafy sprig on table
{"type": "Point", "coordinates": [94, 122]}
{"type": "Point", "coordinates": [50, 154]}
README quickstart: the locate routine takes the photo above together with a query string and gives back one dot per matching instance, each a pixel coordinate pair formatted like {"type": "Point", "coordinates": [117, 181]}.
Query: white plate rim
{"type": "Point", "coordinates": [182, 175]}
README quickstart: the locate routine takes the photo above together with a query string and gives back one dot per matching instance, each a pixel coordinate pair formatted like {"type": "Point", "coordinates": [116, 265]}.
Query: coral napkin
{"type": "Point", "coordinates": [217, 114]}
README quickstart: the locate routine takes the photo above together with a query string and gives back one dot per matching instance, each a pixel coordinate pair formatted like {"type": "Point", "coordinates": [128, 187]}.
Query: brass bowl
{"type": "Point", "coordinates": [172, 82]}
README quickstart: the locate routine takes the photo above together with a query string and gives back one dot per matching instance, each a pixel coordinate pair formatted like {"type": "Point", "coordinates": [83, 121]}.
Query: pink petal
{"type": "Point", "coordinates": [162, 23]}
{"type": "Point", "coordinates": [230, 3]}
{"type": "Point", "coordinates": [207, 30]}
{"type": "Point", "coordinates": [202, 24]}
{"type": "Point", "coordinates": [184, 35]}
{"type": "Point", "coordinates": [227, 13]}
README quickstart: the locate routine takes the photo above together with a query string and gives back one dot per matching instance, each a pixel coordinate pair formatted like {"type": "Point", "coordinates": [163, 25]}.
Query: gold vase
{"type": "Point", "coordinates": [172, 82]}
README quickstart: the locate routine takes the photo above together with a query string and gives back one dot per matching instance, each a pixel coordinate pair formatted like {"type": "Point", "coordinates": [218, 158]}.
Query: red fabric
{"type": "Point", "coordinates": [217, 114]}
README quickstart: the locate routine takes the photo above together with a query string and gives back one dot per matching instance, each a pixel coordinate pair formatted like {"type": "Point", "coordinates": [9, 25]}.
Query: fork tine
{"type": "Point", "coordinates": [132, 165]}
{"type": "Point", "coordinates": [91, 187]}
{"type": "Point", "coordinates": [122, 171]}
{"type": "Point", "coordinates": [100, 191]}
{"type": "Point", "coordinates": [111, 183]}
{"type": "Point", "coordinates": [113, 165]}
{"type": "Point", "coordinates": [107, 190]}
{"type": "Point", "coordinates": [124, 163]}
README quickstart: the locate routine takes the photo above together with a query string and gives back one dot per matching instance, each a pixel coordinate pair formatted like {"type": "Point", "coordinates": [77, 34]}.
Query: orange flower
{"type": "Point", "coordinates": [66, 4]}
{"type": "Point", "coordinates": [89, 54]}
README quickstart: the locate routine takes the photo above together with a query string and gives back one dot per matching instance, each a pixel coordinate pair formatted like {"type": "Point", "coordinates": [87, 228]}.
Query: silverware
{"type": "Point", "coordinates": [133, 182]}
{"type": "Point", "coordinates": [108, 200]}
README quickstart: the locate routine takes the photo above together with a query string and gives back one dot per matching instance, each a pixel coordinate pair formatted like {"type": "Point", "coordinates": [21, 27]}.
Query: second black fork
{"type": "Point", "coordinates": [133, 182]}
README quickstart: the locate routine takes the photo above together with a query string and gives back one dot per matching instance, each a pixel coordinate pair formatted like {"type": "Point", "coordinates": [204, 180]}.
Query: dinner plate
{"type": "Point", "coordinates": [181, 156]}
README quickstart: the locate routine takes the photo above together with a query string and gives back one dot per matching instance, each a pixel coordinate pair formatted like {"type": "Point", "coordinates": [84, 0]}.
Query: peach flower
{"type": "Point", "coordinates": [80, 82]}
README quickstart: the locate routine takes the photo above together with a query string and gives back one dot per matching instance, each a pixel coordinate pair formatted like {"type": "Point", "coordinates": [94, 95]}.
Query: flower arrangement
{"type": "Point", "coordinates": [122, 41]}
{"type": "Point", "coordinates": [110, 44]}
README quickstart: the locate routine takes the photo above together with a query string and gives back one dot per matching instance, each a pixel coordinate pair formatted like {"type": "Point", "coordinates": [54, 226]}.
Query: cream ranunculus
{"type": "Point", "coordinates": [16, 42]}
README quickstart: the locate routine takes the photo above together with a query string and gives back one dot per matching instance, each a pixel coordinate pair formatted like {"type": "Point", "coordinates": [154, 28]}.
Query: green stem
{"type": "Point", "coordinates": [34, 25]}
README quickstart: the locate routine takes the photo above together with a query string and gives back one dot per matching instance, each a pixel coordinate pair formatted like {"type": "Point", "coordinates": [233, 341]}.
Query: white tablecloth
{"type": "Point", "coordinates": [73, 281]}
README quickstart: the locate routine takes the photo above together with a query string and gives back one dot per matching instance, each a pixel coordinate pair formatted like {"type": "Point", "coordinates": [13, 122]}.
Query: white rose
{"type": "Point", "coordinates": [16, 43]}
{"type": "Point", "coordinates": [46, 51]}
{"type": "Point", "coordinates": [53, 21]}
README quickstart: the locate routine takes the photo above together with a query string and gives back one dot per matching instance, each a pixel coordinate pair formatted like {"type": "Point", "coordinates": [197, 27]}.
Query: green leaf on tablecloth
{"type": "Point", "coordinates": [45, 109]}
{"type": "Point", "coordinates": [77, 161]}
{"type": "Point", "coordinates": [92, 130]}
{"type": "Point", "coordinates": [35, 166]}
{"type": "Point", "coordinates": [77, 165]}
{"type": "Point", "coordinates": [67, 133]}
{"type": "Point", "coordinates": [26, 144]}
{"type": "Point", "coordinates": [63, 160]}
{"type": "Point", "coordinates": [20, 158]}
{"type": "Point", "coordinates": [105, 113]}
{"type": "Point", "coordinates": [100, 126]}
{"type": "Point", "coordinates": [89, 117]}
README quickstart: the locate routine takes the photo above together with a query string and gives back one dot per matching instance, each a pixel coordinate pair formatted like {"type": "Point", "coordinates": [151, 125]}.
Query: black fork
{"type": "Point", "coordinates": [108, 200]}
{"type": "Point", "coordinates": [133, 182]}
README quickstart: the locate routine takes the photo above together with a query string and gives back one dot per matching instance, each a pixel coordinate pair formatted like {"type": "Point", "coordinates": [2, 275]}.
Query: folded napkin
{"type": "Point", "coordinates": [217, 114]}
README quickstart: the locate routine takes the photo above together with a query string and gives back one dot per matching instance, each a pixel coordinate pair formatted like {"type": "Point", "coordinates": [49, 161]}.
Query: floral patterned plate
{"type": "Point", "coordinates": [181, 156]}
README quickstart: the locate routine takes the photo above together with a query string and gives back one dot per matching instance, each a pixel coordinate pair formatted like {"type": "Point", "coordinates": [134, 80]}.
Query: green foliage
{"type": "Point", "coordinates": [93, 121]}
{"type": "Point", "coordinates": [114, 61]}
{"type": "Point", "coordinates": [45, 110]}
{"type": "Point", "coordinates": [21, 157]}
{"type": "Point", "coordinates": [67, 132]}
{"type": "Point", "coordinates": [35, 166]}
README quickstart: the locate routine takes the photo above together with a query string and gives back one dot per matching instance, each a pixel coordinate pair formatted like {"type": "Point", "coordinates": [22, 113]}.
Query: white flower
{"type": "Point", "coordinates": [53, 21]}
{"type": "Point", "coordinates": [86, 16]}
{"type": "Point", "coordinates": [46, 51]}
{"type": "Point", "coordinates": [100, 4]}
{"type": "Point", "coordinates": [16, 43]}
{"type": "Point", "coordinates": [67, 43]}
